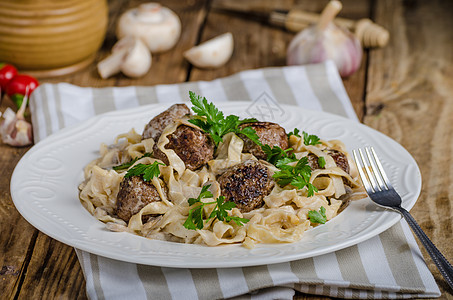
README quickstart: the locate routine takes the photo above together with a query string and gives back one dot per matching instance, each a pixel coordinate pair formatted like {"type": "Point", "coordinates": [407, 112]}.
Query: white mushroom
{"type": "Point", "coordinates": [212, 53]}
{"type": "Point", "coordinates": [130, 56]}
{"type": "Point", "coordinates": [157, 26]}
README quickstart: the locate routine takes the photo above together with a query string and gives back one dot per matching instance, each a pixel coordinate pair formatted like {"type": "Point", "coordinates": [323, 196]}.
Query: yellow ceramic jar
{"type": "Point", "coordinates": [49, 37]}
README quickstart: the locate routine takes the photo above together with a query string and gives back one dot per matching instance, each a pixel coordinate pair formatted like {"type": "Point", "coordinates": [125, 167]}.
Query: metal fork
{"type": "Point", "coordinates": [379, 189]}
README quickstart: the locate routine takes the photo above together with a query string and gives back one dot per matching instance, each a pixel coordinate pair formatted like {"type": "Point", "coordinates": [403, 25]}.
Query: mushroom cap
{"type": "Point", "coordinates": [129, 55]}
{"type": "Point", "coordinates": [157, 26]}
{"type": "Point", "coordinates": [138, 60]}
{"type": "Point", "coordinates": [212, 53]}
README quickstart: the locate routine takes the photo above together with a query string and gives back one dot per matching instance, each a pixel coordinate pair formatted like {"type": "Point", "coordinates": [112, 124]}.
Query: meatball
{"type": "Point", "coordinates": [134, 194]}
{"type": "Point", "coordinates": [246, 184]}
{"type": "Point", "coordinates": [192, 145]}
{"type": "Point", "coordinates": [340, 160]}
{"type": "Point", "coordinates": [156, 126]}
{"type": "Point", "coordinates": [269, 134]}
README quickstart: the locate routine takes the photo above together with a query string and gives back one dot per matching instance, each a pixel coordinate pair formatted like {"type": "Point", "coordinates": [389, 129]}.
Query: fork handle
{"type": "Point", "coordinates": [441, 262]}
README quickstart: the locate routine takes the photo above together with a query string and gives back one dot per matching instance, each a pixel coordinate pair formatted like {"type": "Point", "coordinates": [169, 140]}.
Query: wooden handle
{"type": "Point", "coordinates": [369, 33]}
{"type": "Point", "coordinates": [329, 13]}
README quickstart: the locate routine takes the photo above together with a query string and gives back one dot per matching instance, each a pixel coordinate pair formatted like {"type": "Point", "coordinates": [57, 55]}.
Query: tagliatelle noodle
{"type": "Point", "coordinates": [174, 160]}
{"type": "Point", "coordinates": [100, 190]}
{"type": "Point", "coordinates": [222, 233]}
{"type": "Point", "coordinates": [282, 219]}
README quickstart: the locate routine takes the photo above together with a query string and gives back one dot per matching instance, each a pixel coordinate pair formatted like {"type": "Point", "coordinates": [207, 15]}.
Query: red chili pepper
{"type": "Point", "coordinates": [17, 87]}
{"type": "Point", "coordinates": [7, 72]}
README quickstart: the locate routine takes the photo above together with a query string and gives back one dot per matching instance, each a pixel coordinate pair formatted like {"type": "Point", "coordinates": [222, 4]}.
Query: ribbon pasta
{"type": "Point", "coordinates": [282, 219]}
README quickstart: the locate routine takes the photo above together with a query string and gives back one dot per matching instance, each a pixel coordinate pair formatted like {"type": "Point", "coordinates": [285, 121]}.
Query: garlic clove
{"type": "Point", "coordinates": [212, 53]}
{"type": "Point", "coordinates": [157, 26]}
{"type": "Point", "coordinates": [130, 56]}
{"type": "Point", "coordinates": [14, 130]}
{"type": "Point", "coordinates": [324, 41]}
{"type": "Point", "coordinates": [20, 135]}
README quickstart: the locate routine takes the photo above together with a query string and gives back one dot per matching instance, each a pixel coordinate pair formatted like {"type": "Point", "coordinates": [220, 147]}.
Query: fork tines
{"type": "Point", "coordinates": [374, 178]}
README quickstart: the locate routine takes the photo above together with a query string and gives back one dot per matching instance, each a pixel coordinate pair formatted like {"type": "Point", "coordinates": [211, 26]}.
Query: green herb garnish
{"type": "Point", "coordinates": [310, 139]}
{"type": "Point", "coordinates": [318, 217]}
{"type": "Point", "coordinates": [294, 132]}
{"type": "Point", "coordinates": [212, 120]}
{"type": "Point", "coordinates": [128, 164]}
{"type": "Point", "coordinates": [298, 175]}
{"type": "Point", "coordinates": [147, 172]}
{"type": "Point", "coordinates": [195, 220]}
{"type": "Point", "coordinates": [251, 134]}
{"type": "Point", "coordinates": [321, 162]}
{"type": "Point", "coordinates": [277, 155]}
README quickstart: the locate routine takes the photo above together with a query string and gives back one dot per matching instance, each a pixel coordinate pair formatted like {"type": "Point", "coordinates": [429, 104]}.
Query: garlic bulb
{"type": "Point", "coordinates": [325, 41]}
{"type": "Point", "coordinates": [212, 53]}
{"type": "Point", "coordinates": [157, 26]}
{"type": "Point", "coordinates": [14, 130]}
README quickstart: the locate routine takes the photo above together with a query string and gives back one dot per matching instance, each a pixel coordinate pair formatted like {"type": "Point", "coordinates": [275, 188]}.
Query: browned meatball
{"type": "Point", "coordinates": [269, 134]}
{"type": "Point", "coordinates": [340, 160]}
{"type": "Point", "coordinates": [192, 145]}
{"type": "Point", "coordinates": [134, 194]}
{"type": "Point", "coordinates": [246, 184]}
{"type": "Point", "coordinates": [156, 126]}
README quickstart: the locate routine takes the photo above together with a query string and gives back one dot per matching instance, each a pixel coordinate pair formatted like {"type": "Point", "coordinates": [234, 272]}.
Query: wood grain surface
{"type": "Point", "coordinates": [404, 90]}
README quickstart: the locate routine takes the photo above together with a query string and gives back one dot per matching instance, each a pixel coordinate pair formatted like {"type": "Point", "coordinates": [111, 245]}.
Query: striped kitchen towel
{"type": "Point", "coordinates": [387, 266]}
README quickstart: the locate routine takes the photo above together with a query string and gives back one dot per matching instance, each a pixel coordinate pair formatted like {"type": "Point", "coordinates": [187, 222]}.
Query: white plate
{"type": "Point", "coordinates": [44, 190]}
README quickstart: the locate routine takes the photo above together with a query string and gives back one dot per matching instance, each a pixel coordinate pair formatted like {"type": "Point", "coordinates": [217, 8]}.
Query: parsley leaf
{"type": "Point", "coordinates": [310, 139]}
{"type": "Point", "coordinates": [298, 175]}
{"type": "Point", "coordinates": [294, 132]}
{"type": "Point", "coordinates": [274, 154]}
{"type": "Point", "coordinates": [321, 162]}
{"type": "Point", "coordinates": [128, 164]}
{"type": "Point", "coordinates": [203, 194]}
{"type": "Point", "coordinates": [147, 172]}
{"type": "Point", "coordinates": [318, 217]}
{"type": "Point", "coordinates": [195, 218]}
{"type": "Point", "coordinates": [251, 134]}
{"type": "Point", "coordinates": [202, 108]}
{"type": "Point", "coordinates": [212, 121]}
{"type": "Point", "coordinates": [283, 162]}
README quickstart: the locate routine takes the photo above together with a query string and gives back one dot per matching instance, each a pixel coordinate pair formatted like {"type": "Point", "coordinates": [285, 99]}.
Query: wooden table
{"type": "Point", "coordinates": [404, 90]}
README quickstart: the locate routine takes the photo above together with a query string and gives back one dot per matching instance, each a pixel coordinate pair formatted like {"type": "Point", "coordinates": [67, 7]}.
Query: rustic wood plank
{"type": "Point", "coordinates": [54, 272]}
{"type": "Point", "coordinates": [259, 45]}
{"type": "Point", "coordinates": [255, 45]}
{"type": "Point", "coordinates": [168, 67]}
{"type": "Point", "coordinates": [410, 98]}
{"type": "Point", "coordinates": [17, 235]}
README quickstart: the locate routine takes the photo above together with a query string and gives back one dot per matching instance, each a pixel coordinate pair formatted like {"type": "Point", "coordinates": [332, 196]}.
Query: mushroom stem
{"type": "Point", "coordinates": [130, 56]}
{"type": "Point", "coordinates": [112, 64]}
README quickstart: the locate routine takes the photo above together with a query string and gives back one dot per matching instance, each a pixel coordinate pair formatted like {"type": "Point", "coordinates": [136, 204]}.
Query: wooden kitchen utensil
{"type": "Point", "coordinates": [369, 33]}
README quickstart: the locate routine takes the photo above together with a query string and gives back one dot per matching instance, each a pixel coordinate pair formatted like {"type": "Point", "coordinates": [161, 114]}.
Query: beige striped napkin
{"type": "Point", "coordinates": [387, 266]}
